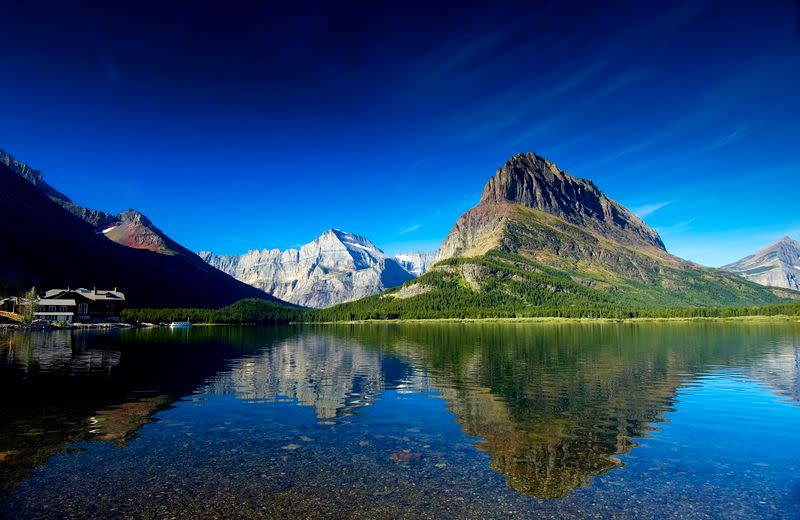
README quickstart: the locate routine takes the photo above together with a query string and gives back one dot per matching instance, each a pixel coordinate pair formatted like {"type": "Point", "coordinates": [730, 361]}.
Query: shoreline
{"type": "Point", "coordinates": [23, 327]}
{"type": "Point", "coordinates": [775, 318]}
{"type": "Point", "coordinates": [31, 327]}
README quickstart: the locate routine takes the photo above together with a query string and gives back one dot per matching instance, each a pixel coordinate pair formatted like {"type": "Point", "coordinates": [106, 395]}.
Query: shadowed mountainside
{"type": "Point", "coordinates": [47, 246]}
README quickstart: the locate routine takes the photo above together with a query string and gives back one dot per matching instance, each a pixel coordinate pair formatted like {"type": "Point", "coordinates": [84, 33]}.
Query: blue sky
{"type": "Point", "coordinates": [240, 127]}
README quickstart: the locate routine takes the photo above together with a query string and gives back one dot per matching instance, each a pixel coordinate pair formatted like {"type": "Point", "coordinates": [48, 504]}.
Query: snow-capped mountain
{"type": "Point", "coordinates": [334, 268]}
{"type": "Point", "coordinates": [416, 262]}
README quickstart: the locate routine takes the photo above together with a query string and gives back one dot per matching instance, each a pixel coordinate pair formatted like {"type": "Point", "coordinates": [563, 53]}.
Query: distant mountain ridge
{"type": "Point", "coordinates": [335, 267]}
{"type": "Point", "coordinates": [416, 262]}
{"type": "Point", "coordinates": [777, 265]}
{"type": "Point", "coordinates": [49, 241]}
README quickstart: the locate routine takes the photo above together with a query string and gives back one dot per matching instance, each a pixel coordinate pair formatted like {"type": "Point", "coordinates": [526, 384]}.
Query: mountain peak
{"type": "Point", "coordinates": [131, 215]}
{"type": "Point", "coordinates": [535, 182]}
{"type": "Point", "coordinates": [777, 265]}
{"type": "Point", "coordinates": [335, 267]}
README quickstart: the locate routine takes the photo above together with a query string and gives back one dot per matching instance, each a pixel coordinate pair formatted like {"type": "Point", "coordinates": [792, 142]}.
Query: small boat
{"type": "Point", "coordinates": [180, 325]}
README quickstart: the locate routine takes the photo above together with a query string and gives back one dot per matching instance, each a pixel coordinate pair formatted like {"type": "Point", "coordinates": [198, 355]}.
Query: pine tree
{"type": "Point", "coordinates": [32, 302]}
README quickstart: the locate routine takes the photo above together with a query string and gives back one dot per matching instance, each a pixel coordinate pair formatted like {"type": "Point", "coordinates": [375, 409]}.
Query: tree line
{"type": "Point", "coordinates": [264, 312]}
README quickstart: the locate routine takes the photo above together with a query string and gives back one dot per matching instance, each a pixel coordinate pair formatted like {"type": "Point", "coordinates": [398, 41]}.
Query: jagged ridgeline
{"type": "Point", "coordinates": [544, 243]}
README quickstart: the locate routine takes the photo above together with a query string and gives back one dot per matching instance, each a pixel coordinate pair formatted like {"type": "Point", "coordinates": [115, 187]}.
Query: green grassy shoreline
{"type": "Point", "coordinates": [780, 318]}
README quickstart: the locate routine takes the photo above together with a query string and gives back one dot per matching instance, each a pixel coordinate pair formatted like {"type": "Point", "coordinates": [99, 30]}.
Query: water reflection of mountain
{"type": "Point", "coordinates": [335, 377]}
{"type": "Point", "coordinates": [63, 387]}
{"type": "Point", "coordinates": [556, 404]}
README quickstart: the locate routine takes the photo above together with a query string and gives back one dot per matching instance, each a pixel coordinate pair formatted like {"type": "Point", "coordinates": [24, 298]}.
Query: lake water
{"type": "Point", "coordinates": [645, 420]}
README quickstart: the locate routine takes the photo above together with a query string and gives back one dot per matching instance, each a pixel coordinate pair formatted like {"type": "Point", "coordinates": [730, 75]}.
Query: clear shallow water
{"type": "Point", "coordinates": [686, 420]}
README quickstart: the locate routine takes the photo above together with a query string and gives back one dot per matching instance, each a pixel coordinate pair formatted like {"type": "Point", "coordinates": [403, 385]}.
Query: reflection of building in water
{"type": "Point", "coordinates": [334, 376]}
{"type": "Point", "coordinates": [62, 351]}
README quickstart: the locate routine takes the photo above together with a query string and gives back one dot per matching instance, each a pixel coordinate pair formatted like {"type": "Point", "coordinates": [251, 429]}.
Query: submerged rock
{"type": "Point", "coordinates": [404, 456]}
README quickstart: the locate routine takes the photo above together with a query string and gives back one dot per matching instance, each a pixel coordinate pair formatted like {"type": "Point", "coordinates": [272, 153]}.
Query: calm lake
{"type": "Point", "coordinates": [645, 420]}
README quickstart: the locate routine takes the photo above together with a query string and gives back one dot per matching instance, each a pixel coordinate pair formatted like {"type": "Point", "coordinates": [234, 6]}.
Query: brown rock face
{"type": "Point", "coordinates": [529, 181]}
{"type": "Point", "coordinates": [132, 229]}
{"type": "Point", "coordinates": [534, 182]}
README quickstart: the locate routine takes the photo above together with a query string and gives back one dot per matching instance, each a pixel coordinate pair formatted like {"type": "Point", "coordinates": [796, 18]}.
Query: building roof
{"type": "Point", "coordinates": [92, 294]}
{"type": "Point", "coordinates": [56, 301]}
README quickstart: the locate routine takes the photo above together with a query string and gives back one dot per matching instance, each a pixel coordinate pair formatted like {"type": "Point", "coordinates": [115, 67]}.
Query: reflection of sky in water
{"type": "Point", "coordinates": [334, 424]}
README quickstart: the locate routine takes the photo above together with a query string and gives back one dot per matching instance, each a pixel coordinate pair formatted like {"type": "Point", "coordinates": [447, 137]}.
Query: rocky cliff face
{"type": "Point", "coordinates": [33, 176]}
{"type": "Point", "coordinates": [777, 265]}
{"type": "Point", "coordinates": [531, 181]}
{"type": "Point", "coordinates": [416, 262]}
{"type": "Point", "coordinates": [336, 267]}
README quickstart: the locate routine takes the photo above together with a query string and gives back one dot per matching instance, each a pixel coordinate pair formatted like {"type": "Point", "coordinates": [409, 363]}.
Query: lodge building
{"type": "Point", "coordinates": [81, 305]}
{"type": "Point", "coordinates": [73, 305]}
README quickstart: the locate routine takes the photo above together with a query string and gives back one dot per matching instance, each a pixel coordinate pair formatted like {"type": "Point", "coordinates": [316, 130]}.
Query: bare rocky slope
{"type": "Point", "coordinates": [334, 268]}
{"type": "Point", "coordinates": [777, 265]}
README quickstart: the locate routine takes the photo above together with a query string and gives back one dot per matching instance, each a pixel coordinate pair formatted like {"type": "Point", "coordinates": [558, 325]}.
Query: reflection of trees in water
{"type": "Point", "coordinates": [65, 387]}
{"type": "Point", "coordinates": [335, 377]}
{"type": "Point", "coordinates": [555, 404]}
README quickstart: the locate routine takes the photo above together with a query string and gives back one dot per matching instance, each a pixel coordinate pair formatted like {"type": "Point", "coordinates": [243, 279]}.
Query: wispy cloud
{"type": "Point", "coordinates": [677, 227]}
{"type": "Point", "coordinates": [619, 83]}
{"type": "Point", "coordinates": [725, 140]}
{"type": "Point", "coordinates": [410, 229]}
{"type": "Point", "coordinates": [649, 209]}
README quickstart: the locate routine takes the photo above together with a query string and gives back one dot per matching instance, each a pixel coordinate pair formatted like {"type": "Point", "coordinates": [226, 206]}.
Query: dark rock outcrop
{"type": "Point", "coordinates": [534, 182]}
